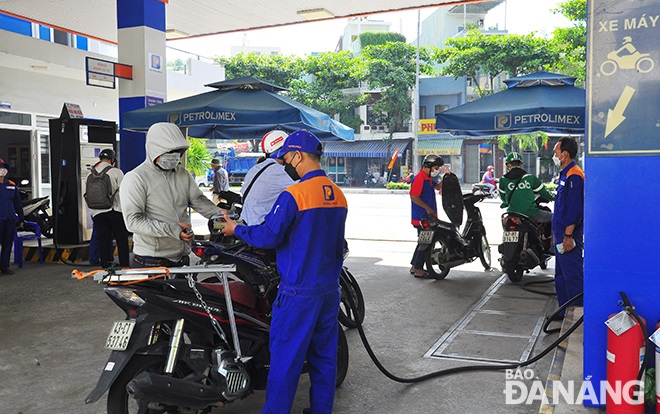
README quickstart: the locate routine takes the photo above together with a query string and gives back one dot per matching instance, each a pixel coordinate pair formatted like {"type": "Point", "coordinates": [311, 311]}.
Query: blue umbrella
{"type": "Point", "coordinates": [540, 101]}
{"type": "Point", "coordinates": [239, 108]}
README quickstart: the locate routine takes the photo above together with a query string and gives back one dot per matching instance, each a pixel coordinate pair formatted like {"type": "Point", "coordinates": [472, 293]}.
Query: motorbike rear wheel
{"type": "Point", "coordinates": [434, 260]}
{"type": "Point", "coordinates": [484, 252]}
{"type": "Point", "coordinates": [349, 317]}
{"type": "Point", "coordinates": [515, 273]}
{"type": "Point", "coordinates": [119, 402]}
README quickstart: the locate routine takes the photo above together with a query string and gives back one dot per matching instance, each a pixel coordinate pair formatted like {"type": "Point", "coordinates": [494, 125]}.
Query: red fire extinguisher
{"type": "Point", "coordinates": [625, 360]}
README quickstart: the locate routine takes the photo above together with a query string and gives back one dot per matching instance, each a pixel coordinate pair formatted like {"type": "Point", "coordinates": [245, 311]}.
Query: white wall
{"type": "Point", "coordinates": [181, 85]}
{"type": "Point", "coordinates": [59, 77]}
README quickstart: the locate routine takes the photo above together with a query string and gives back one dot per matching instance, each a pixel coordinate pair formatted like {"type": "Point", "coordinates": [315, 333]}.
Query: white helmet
{"type": "Point", "coordinates": [273, 141]}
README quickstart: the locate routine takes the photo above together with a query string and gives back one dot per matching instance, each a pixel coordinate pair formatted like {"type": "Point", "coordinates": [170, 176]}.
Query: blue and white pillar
{"type": "Point", "coordinates": [141, 43]}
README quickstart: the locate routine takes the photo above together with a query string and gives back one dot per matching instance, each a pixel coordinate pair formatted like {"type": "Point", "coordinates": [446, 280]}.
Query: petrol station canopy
{"type": "Point", "coordinates": [191, 18]}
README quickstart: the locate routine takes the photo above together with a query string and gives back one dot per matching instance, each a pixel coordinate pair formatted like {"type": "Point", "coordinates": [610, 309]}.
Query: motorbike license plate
{"type": "Point", "coordinates": [119, 335]}
{"type": "Point", "coordinates": [510, 237]}
{"type": "Point", "coordinates": [425, 237]}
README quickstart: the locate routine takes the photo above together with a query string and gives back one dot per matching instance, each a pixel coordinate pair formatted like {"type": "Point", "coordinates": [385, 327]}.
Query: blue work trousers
{"type": "Point", "coordinates": [304, 326]}
{"type": "Point", "coordinates": [7, 231]}
{"type": "Point", "coordinates": [569, 275]}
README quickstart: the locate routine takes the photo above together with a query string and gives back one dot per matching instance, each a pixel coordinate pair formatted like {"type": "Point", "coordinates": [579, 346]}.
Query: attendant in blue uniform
{"type": "Point", "coordinates": [306, 227]}
{"type": "Point", "coordinates": [568, 223]}
{"type": "Point", "coordinates": [10, 207]}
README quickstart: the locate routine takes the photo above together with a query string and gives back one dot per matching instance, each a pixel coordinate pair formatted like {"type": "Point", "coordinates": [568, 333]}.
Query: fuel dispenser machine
{"type": "Point", "coordinates": [75, 144]}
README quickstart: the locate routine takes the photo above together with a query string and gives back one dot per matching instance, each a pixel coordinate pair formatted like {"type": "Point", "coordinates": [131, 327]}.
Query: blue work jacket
{"type": "Point", "coordinates": [306, 227]}
{"type": "Point", "coordinates": [10, 201]}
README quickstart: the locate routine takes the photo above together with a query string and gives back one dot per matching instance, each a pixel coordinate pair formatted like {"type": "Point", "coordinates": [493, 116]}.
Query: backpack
{"type": "Point", "coordinates": [99, 194]}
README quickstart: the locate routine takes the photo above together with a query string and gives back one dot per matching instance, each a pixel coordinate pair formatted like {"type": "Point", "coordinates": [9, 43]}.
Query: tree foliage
{"type": "Point", "coordinates": [531, 141]}
{"type": "Point", "coordinates": [277, 69]}
{"type": "Point", "coordinates": [380, 38]}
{"type": "Point", "coordinates": [392, 67]}
{"type": "Point", "coordinates": [327, 75]}
{"type": "Point", "coordinates": [478, 54]}
{"type": "Point", "coordinates": [197, 156]}
{"type": "Point", "coordinates": [572, 41]}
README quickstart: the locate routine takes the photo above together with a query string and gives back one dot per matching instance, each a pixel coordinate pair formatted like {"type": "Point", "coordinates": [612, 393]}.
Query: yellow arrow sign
{"type": "Point", "coordinates": [615, 116]}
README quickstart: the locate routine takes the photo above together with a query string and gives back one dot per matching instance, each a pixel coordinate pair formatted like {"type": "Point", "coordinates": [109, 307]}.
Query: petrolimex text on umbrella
{"type": "Point", "coordinates": [505, 121]}
{"type": "Point", "coordinates": [209, 116]}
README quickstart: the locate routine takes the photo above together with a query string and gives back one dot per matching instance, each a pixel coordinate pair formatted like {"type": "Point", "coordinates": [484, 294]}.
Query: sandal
{"type": "Point", "coordinates": [421, 274]}
{"type": "Point", "coordinates": [412, 270]}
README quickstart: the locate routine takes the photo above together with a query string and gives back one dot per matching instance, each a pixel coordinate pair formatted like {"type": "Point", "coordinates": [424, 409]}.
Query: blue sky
{"type": "Point", "coordinates": [522, 17]}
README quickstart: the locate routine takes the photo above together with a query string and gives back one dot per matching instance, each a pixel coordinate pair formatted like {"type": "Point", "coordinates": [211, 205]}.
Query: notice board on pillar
{"type": "Point", "coordinates": [623, 92]}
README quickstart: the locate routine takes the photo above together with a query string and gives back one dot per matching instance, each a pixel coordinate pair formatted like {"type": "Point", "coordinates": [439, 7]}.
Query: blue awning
{"type": "Point", "coordinates": [364, 149]}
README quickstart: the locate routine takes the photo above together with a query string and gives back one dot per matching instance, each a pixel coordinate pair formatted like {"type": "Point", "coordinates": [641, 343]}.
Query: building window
{"type": "Point", "coordinates": [422, 112]}
{"type": "Point", "coordinates": [441, 108]}
{"type": "Point", "coordinates": [15, 118]}
{"type": "Point", "coordinates": [62, 38]}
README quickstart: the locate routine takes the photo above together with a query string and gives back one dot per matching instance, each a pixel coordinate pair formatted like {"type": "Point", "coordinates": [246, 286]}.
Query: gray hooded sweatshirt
{"type": "Point", "coordinates": [153, 201]}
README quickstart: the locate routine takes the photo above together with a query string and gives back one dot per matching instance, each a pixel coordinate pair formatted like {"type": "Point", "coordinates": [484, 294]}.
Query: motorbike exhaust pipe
{"type": "Point", "coordinates": [152, 387]}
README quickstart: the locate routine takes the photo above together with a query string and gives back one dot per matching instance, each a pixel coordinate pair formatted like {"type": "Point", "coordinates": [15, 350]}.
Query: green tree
{"type": "Point", "coordinates": [328, 75]}
{"type": "Point", "coordinates": [520, 142]}
{"type": "Point", "coordinates": [177, 65]}
{"type": "Point", "coordinates": [197, 156]}
{"type": "Point", "coordinates": [477, 55]}
{"type": "Point", "coordinates": [572, 41]}
{"type": "Point", "coordinates": [277, 69]}
{"type": "Point", "coordinates": [391, 66]}
{"type": "Point", "coordinates": [380, 38]}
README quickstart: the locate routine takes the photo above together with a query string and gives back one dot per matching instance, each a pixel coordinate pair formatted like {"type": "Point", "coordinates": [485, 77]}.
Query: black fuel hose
{"type": "Point", "coordinates": [526, 286]}
{"type": "Point", "coordinates": [467, 368]}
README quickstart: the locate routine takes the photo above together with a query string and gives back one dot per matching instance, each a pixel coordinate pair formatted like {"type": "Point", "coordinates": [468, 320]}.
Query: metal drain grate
{"type": "Point", "coordinates": [502, 326]}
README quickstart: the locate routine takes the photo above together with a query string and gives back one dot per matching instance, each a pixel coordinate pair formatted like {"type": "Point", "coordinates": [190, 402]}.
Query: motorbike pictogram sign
{"type": "Point", "coordinates": [623, 79]}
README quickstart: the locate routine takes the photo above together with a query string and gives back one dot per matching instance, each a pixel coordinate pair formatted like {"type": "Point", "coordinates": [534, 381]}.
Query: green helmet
{"type": "Point", "coordinates": [514, 156]}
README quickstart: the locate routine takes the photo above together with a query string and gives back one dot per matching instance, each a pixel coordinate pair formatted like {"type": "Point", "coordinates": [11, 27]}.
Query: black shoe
{"type": "Point", "coordinates": [7, 272]}
{"type": "Point", "coordinates": [307, 411]}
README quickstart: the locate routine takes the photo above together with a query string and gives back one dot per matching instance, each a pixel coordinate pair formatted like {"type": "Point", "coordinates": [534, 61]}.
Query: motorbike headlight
{"type": "Point", "coordinates": [125, 295]}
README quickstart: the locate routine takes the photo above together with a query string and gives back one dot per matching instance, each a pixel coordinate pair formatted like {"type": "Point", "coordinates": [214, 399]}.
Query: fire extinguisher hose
{"type": "Point", "coordinates": [468, 368]}
{"type": "Point", "coordinates": [648, 348]}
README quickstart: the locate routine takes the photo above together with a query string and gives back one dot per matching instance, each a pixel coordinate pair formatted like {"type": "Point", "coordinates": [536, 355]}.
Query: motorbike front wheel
{"type": "Point", "coordinates": [437, 255]}
{"type": "Point", "coordinates": [484, 252]}
{"type": "Point", "coordinates": [349, 317]}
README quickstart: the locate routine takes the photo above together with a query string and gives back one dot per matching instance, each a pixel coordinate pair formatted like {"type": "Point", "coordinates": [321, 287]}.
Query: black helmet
{"type": "Point", "coordinates": [107, 154]}
{"type": "Point", "coordinates": [432, 160]}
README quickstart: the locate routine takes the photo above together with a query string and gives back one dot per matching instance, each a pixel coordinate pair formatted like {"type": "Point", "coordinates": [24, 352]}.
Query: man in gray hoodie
{"type": "Point", "coordinates": [154, 197]}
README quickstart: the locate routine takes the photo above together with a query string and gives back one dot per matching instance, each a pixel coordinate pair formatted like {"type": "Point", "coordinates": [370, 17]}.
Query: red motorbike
{"type": "Point", "coordinates": [187, 345]}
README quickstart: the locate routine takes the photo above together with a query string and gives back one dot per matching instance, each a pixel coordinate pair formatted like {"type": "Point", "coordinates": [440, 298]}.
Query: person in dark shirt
{"type": "Point", "coordinates": [10, 209]}
{"type": "Point", "coordinates": [423, 201]}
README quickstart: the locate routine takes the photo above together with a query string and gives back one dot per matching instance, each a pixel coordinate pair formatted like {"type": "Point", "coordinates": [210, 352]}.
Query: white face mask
{"type": "Point", "coordinates": [169, 161]}
{"type": "Point", "coordinates": [3, 172]}
{"type": "Point", "coordinates": [556, 160]}
{"type": "Point", "coordinates": [435, 173]}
